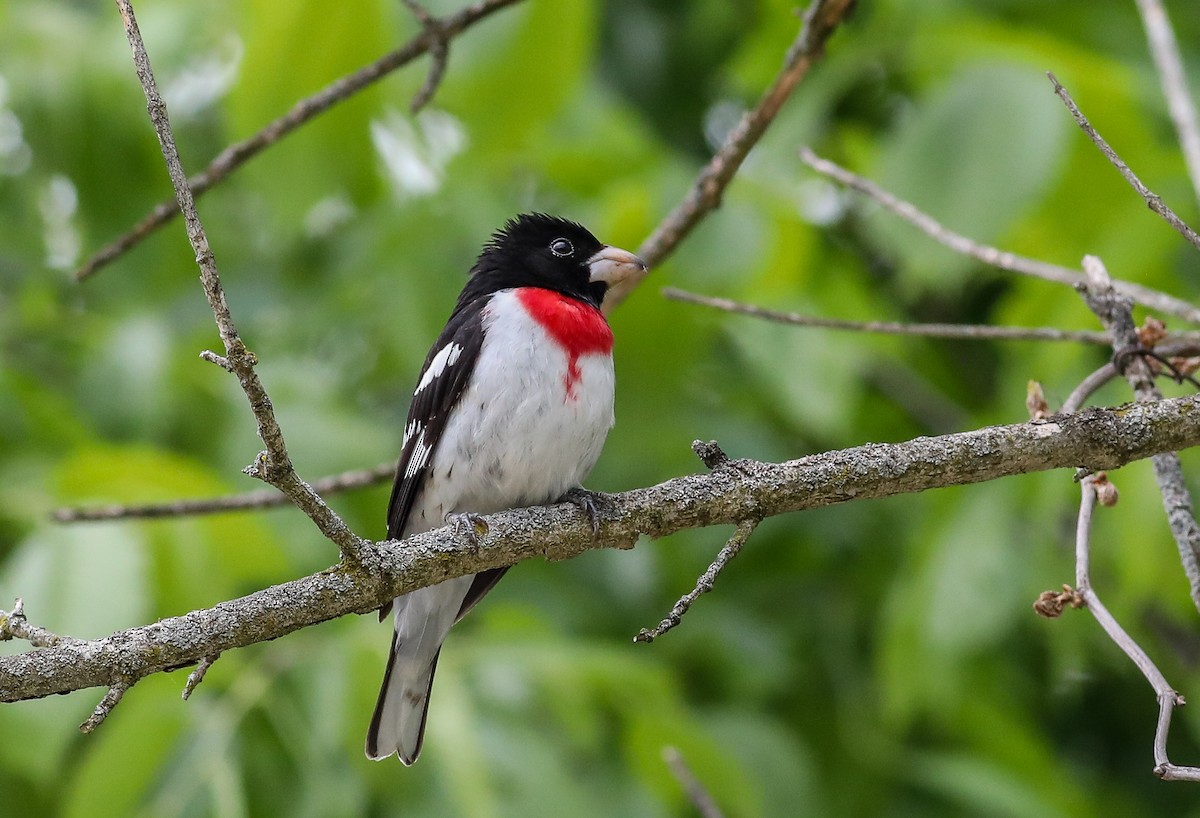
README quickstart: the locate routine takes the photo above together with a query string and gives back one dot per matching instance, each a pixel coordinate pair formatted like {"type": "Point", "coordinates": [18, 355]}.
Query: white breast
{"type": "Point", "coordinates": [523, 432]}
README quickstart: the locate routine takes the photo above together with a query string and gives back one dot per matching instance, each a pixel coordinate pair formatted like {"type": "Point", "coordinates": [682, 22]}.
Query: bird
{"type": "Point", "coordinates": [511, 409]}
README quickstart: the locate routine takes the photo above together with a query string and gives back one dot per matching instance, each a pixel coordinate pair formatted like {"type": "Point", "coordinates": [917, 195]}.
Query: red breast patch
{"type": "Point", "coordinates": [580, 329]}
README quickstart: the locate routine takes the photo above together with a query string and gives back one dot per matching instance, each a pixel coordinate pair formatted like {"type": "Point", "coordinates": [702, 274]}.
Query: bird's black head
{"type": "Point", "coordinates": [537, 250]}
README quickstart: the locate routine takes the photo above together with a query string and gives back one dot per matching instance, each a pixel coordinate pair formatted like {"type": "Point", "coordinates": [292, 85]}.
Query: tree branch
{"type": "Point", "coordinates": [1094, 439]}
{"type": "Point", "coordinates": [14, 625]}
{"type": "Point", "coordinates": [704, 196]}
{"type": "Point", "coordinates": [274, 466]}
{"type": "Point", "coordinates": [1152, 199]}
{"type": "Point", "coordinates": [237, 154]}
{"type": "Point", "coordinates": [992, 256]}
{"type": "Point", "coordinates": [1168, 699]}
{"type": "Point", "coordinates": [111, 699]}
{"type": "Point", "coordinates": [962, 332]}
{"type": "Point", "coordinates": [439, 53]}
{"type": "Point", "coordinates": [247, 501]}
{"type": "Point", "coordinates": [1165, 51]}
{"type": "Point", "coordinates": [1087, 386]}
{"type": "Point", "coordinates": [197, 675]}
{"type": "Point", "coordinates": [704, 584]}
{"type": "Point", "coordinates": [1116, 315]}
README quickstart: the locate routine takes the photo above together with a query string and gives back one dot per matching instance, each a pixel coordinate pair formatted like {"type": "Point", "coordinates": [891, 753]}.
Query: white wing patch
{"type": "Point", "coordinates": [446, 357]}
{"type": "Point", "coordinates": [411, 429]}
{"type": "Point", "coordinates": [419, 456]}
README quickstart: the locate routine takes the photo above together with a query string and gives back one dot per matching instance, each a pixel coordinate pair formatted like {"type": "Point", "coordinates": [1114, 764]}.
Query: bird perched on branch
{"type": "Point", "coordinates": [511, 409]}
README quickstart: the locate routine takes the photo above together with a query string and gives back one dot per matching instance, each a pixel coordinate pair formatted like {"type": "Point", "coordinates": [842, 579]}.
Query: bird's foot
{"type": "Point", "coordinates": [585, 501]}
{"type": "Point", "coordinates": [468, 526]}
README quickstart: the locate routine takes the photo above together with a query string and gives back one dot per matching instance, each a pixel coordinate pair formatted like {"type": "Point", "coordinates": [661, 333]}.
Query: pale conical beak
{"type": "Point", "coordinates": [613, 265]}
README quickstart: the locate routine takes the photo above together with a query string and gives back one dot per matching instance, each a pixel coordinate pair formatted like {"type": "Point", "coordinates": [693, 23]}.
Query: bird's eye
{"type": "Point", "coordinates": [561, 247]}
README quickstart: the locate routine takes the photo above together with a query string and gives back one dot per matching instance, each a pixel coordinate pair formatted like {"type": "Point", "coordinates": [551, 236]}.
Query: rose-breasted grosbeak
{"type": "Point", "coordinates": [511, 409]}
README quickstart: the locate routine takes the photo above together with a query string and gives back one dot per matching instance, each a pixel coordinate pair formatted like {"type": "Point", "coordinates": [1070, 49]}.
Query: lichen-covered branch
{"type": "Point", "coordinates": [704, 584]}
{"type": "Point", "coordinates": [1094, 439]}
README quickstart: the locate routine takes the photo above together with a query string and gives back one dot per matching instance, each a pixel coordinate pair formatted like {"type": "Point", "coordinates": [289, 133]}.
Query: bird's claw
{"type": "Point", "coordinates": [585, 501]}
{"type": "Point", "coordinates": [468, 526]}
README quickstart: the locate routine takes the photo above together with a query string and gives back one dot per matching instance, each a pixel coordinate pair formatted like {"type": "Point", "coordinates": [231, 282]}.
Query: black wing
{"type": "Point", "coordinates": [431, 408]}
{"type": "Point", "coordinates": [427, 416]}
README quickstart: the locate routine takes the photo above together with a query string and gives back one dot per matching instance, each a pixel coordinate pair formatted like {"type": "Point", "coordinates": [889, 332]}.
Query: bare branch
{"type": "Point", "coordinates": [439, 53]}
{"type": "Point", "coordinates": [248, 501]}
{"type": "Point", "coordinates": [197, 676]}
{"type": "Point", "coordinates": [965, 332]}
{"type": "Point", "coordinates": [1083, 582]}
{"type": "Point", "coordinates": [14, 625]}
{"type": "Point", "coordinates": [1087, 386]}
{"type": "Point", "coordinates": [237, 154]}
{"type": "Point", "coordinates": [1115, 313]}
{"type": "Point", "coordinates": [1153, 200]}
{"type": "Point", "coordinates": [1094, 439]}
{"type": "Point", "coordinates": [704, 196]}
{"type": "Point", "coordinates": [1165, 51]}
{"type": "Point", "coordinates": [1000, 259]}
{"type": "Point", "coordinates": [704, 584]}
{"type": "Point", "coordinates": [111, 699]}
{"type": "Point", "coordinates": [214, 358]}
{"type": "Point", "coordinates": [274, 465]}
{"type": "Point", "coordinates": [1168, 699]}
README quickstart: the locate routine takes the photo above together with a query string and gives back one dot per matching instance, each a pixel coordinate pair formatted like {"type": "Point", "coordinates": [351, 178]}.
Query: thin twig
{"type": "Point", "coordinates": [1182, 345]}
{"type": "Point", "coordinates": [1152, 199]}
{"type": "Point", "coordinates": [237, 154]}
{"type": "Point", "coordinates": [248, 501]}
{"type": "Point", "coordinates": [1083, 585]}
{"type": "Point", "coordinates": [14, 625]}
{"type": "Point", "coordinates": [820, 21]}
{"type": "Point", "coordinates": [704, 584]}
{"type": "Point", "coordinates": [274, 465]}
{"type": "Point", "coordinates": [968, 332]}
{"type": "Point", "coordinates": [439, 53]}
{"type": "Point", "coordinates": [1168, 698]}
{"type": "Point", "coordinates": [1165, 51]}
{"type": "Point", "coordinates": [1088, 386]}
{"type": "Point", "coordinates": [1115, 314]}
{"type": "Point", "coordinates": [214, 358]}
{"type": "Point", "coordinates": [111, 699]}
{"type": "Point", "coordinates": [197, 676]}
{"type": "Point", "coordinates": [697, 793]}
{"type": "Point", "coordinates": [992, 256]}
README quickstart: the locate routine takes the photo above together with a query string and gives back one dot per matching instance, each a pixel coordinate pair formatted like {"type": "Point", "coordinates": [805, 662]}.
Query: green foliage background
{"type": "Point", "coordinates": [872, 659]}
